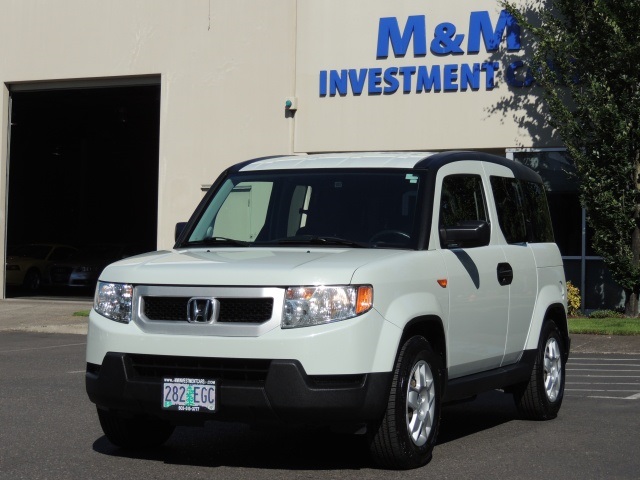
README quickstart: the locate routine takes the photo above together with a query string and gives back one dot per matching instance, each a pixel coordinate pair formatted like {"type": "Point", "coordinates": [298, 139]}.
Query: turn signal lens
{"type": "Point", "coordinates": [365, 299]}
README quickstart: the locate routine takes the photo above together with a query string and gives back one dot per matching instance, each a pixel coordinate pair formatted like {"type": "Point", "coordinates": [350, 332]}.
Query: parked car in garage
{"type": "Point", "coordinates": [29, 265]}
{"type": "Point", "coordinates": [84, 267]}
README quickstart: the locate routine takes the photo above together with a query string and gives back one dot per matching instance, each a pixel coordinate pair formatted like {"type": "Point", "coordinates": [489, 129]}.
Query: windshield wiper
{"type": "Point", "coordinates": [318, 240]}
{"type": "Point", "coordinates": [219, 241]}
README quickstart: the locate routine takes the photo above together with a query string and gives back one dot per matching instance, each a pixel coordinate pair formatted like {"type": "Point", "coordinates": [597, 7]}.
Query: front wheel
{"type": "Point", "coordinates": [32, 280]}
{"type": "Point", "coordinates": [540, 398]}
{"type": "Point", "coordinates": [134, 432]}
{"type": "Point", "coordinates": [407, 433]}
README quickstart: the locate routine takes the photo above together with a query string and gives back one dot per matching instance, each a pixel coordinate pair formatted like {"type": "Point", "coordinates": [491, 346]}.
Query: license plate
{"type": "Point", "coordinates": [189, 394]}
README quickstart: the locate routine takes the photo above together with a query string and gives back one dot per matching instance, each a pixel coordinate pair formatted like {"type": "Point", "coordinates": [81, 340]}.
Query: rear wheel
{"type": "Point", "coordinates": [407, 433]}
{"type": "Point", "coordinates": [541, 397]}
{"type": "Point", "coordinates": [134, 432]}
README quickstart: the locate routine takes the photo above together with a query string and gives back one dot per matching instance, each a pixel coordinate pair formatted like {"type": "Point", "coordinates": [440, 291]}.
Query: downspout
{"type": "Point", "coordinates": [290, 113]}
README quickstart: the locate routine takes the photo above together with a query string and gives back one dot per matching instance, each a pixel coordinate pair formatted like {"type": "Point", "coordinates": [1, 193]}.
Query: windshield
{"type": "Point", "coordinates": [361, 208]}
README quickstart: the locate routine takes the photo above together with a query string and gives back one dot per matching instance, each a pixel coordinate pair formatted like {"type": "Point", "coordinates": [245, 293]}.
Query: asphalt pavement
{"type": "Point", "coordinates": [44, 315]}
{"type": "Point", "coordinates": [50, 430]}
{"type": "Point", "coordinates": [55, 315]}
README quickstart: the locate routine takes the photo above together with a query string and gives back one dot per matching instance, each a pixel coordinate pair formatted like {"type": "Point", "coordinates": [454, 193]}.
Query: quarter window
{"type": "Point", "coordinates": [523, 213]}
{"type": "Point", "coordinates": [538, 212]}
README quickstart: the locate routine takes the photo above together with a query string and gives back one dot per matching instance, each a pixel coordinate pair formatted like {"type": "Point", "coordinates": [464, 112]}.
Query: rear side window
{"type": "Point", "coordinates": [509, 204]}
{"type": "Point", "coordinates": [523, 213]}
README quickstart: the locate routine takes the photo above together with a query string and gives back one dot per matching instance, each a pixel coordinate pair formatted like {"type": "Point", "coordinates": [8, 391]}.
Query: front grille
{"type": "Point", "coordinates": [254, 310]}
{"type": "Point", "coordinates": [228, 369]}
{"type": "Point", "coordinates": [166, 308]}
{"type": "Point", "coordinates": [232, 310]}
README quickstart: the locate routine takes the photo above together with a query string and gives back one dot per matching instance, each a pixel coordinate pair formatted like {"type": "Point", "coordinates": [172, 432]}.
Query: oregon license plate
{"type": "Point", "coordinates": [189, 394]}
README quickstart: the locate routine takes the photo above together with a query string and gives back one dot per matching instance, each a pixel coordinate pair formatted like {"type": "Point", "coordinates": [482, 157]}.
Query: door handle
{"type": "Point", "coordinates": [505, 274]}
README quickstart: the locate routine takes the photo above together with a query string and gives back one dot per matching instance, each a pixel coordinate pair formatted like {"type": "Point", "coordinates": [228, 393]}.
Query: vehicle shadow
{"type": "Point", "coordinates": [237, 445]}
{"type": "Point", "coordinates": [487, 411]}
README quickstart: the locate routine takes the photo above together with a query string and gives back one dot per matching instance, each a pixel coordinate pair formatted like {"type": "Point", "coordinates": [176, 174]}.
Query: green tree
{"type": "Point", "coordinates": [586, 59]}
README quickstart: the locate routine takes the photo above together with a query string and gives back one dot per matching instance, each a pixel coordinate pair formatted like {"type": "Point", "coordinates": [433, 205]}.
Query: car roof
{"type": "Point", "coordinates": [389, 160]}
{"type": "Point", "coordinates": [337, 160]}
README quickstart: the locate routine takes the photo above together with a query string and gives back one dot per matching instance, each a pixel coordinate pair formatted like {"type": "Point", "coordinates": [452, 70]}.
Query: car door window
{"type": "Point", "coordinates": [462, 199]}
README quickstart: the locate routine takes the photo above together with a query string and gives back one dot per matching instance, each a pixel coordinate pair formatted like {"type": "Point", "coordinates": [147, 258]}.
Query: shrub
{"type": "Point", "coordinates": [606, 314]}
{"type": "Point", "coordinates": [573, 299]}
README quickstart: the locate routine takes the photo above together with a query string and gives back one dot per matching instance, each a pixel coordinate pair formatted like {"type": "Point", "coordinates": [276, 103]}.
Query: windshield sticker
{"type": "Point", "coordinates": [411, 177]}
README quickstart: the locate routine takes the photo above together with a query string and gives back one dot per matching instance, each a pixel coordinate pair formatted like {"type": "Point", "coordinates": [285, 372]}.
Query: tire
{"type": "Point", "coordinates": [134, 432]}
{"type": "Point", "coordinates": [32, 280]}
{"type": "Point", "coordinates": [541, 397]}
{"type": "Point", "coordinates": [406, 435]}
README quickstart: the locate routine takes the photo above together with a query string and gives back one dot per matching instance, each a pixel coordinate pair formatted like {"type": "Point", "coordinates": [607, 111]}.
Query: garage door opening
{"type": "Point", "coordinates": [82, 186]}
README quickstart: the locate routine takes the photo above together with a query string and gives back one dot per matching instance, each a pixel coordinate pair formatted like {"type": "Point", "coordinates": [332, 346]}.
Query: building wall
{"type": "Point", "coordinates": [345, 39]}
{"type": "Point", "coordinates": [226, 68]}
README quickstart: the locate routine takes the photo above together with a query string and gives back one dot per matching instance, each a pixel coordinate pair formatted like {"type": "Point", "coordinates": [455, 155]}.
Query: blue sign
{"type": "Point", "coordinates": [446, 40]}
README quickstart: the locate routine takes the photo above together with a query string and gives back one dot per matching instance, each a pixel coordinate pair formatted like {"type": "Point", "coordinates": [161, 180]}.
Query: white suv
{"type": "Point", "coordinates": [358, 291]}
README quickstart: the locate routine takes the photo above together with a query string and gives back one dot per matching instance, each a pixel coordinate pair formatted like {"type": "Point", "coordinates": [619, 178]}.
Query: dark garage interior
{"type": "Point", "coordinates": [83, 172]}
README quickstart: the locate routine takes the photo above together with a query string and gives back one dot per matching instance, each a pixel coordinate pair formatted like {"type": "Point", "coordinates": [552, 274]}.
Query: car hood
{"type": "Point", "coordinates": [245, 266]}
{"type": "Point", "coordinates": [15, 259]}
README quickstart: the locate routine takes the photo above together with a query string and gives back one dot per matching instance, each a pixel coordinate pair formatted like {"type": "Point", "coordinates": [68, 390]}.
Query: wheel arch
{"type": "Point", "coordinates": [554, 312]}
{"type": "Point", "coordinates": [432, 329]}
{"type": "Point", "coordinates": [549, 305]}
{"type": "Point", "coordinates": [557, 314]}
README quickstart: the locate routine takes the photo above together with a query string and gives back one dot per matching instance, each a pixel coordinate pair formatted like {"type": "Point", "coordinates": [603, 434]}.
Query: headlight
{"type": "Point", "coordinates": [307, 306]}
{"type": "Point", "coordinates": [114, 301]}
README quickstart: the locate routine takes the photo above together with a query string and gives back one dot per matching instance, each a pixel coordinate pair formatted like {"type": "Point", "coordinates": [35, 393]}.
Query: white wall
{"type": "Point", "coordinates": [226, 67]}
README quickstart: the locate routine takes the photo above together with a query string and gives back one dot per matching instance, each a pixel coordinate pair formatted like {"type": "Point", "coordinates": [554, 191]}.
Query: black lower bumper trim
{"type": "Point", "coordinates": [286, 394]}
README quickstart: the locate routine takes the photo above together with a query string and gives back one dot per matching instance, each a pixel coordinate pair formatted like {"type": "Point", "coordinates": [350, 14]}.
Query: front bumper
{"type": "Point", "coordinates": [14, 277]}
{"type": "Point", "coordinates": [367, 343]}
{"type": "Point", "coordinates": [249, 390]}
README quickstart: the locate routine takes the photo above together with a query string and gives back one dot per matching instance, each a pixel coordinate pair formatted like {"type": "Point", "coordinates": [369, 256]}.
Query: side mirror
{"type": "Point", "coordinates": [466, 234]}
{"type": "Point", "coordinates": [178, 231]}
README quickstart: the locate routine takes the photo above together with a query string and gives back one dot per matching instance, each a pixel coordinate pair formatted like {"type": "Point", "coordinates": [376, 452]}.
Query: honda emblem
{"type": "Point", "coordinates": [201, 310]}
